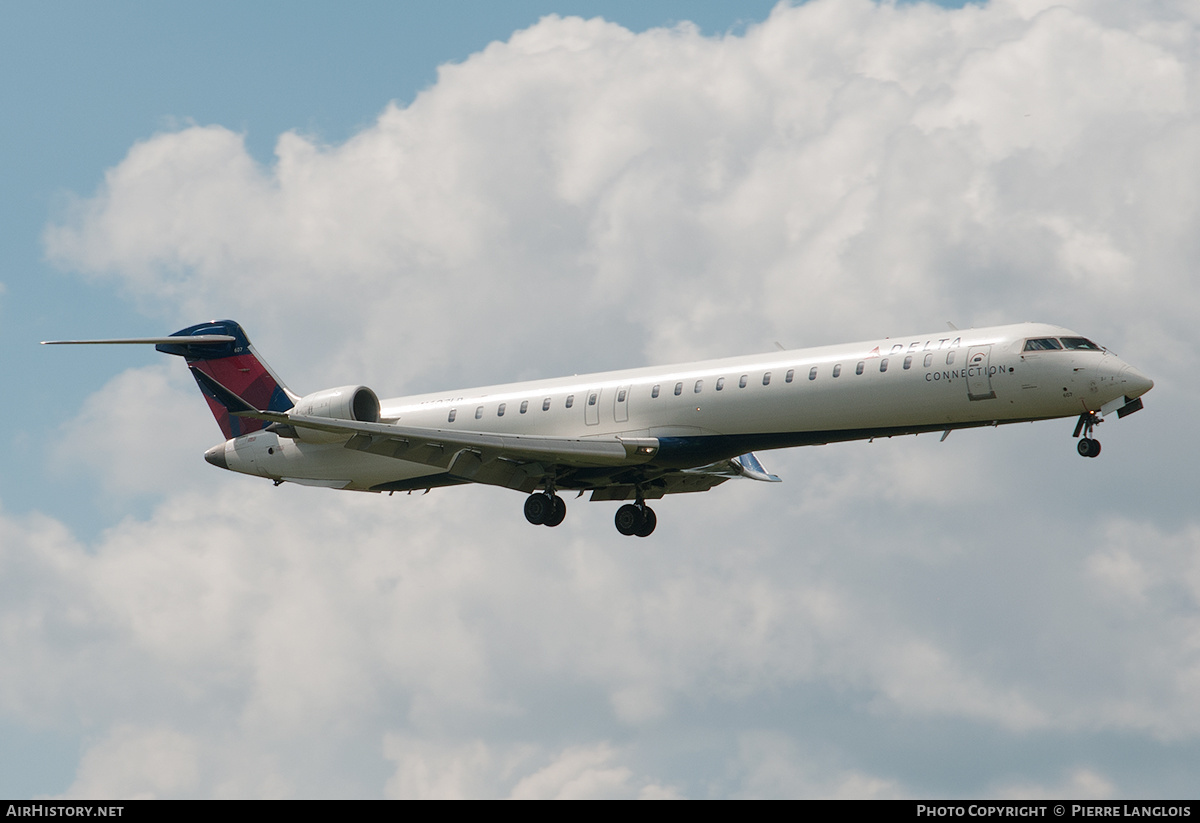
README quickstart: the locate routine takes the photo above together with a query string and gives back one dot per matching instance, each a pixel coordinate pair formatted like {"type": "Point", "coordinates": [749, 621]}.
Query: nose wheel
{"type": "Point", "coordinates": [1088, 447]}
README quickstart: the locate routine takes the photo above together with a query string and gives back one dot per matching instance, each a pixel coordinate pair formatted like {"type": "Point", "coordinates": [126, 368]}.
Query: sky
{"type": "Point", "coordinates": [419, 198]}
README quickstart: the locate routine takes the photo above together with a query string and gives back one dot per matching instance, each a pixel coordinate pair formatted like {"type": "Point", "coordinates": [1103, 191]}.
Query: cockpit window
{"type": "Point", "coordinates": [1079, 343]}
{"type": "Point", "coordinates": [1042, 344]}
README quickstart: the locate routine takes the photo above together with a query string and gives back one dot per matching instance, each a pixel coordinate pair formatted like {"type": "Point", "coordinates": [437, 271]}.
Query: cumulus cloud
{"type": "Point", "coordinates": [582, 197]}
{"type": "Point", "coordinates": [137, 764]}
{"type": "Point", "coordinates": [1079, 782]}
{"type": "Point", "coordinates": [769, 764]}
{"type": "Point", "coordinates": [473, 769]}
{"type": "Point", "coordinates": [830, 170]}
{"type": "Point", "coordinates": [141, 427]}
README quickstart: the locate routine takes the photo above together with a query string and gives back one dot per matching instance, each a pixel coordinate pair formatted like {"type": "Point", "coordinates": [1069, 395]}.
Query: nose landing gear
{"type": "Point", "coordinates": [1087, 447]}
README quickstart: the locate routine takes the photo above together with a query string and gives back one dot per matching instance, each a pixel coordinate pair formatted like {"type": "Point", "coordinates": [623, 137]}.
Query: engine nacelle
{"type": "Point", "coordinates": [343, 403]}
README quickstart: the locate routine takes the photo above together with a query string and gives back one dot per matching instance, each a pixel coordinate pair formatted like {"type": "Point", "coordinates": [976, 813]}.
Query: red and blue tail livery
{"type": "Point", "coordinates": [234, 364]}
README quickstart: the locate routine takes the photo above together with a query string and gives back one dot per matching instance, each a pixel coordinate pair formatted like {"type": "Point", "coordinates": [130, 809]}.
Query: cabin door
{"type": "Point", "coordinates": [979, 373]}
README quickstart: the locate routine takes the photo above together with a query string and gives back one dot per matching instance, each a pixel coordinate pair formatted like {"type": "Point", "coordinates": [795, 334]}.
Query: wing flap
{"type": "Point", "coordinates": [668, 483]}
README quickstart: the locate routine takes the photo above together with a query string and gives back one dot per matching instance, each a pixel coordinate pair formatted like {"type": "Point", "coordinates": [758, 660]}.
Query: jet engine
{"type": "Point", "coordinates": [343, 403]}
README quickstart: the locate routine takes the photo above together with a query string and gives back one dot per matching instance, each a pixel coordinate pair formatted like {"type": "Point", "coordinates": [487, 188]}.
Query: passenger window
{"type": "Point", "coordinates": [791, 374]}
{"type": "Point", "coordinates": [570, 400]}
{"type": "Point", "coordinates": [928, 360]}
{"type": "Point", "coordinates": [1042, 344]}
{"type": "Point", "coordinates": [883, 364]}
{"type": "Point", "coordinates": [453, 414]}
{"type": "Point", "coordinates": [479, 413]}
{"type": "Point", "coordinates": [720, 383]}
{"type": "Point", "coordinates": [742, 381]}
{"type": "Point", "coordinates": [766, 378]}
{"type": "Point", "coordinates": [859, 368]}
{"type": "Point", "coordinates": [546, 404]}
{"type": "Point", "coordinates": [500, 409]}
{"type": "Point", "coordinates": [699, 386]}
{"type": "Point", "coordinates": [621, 396]}
{"type": "Point", "coordinates": [654, 391]}
{"type": "Point", "coordinates": [592, 399]}
{"type": "Point", "coordinates": [678, 389]}
{"type": "Point", "coordinates": [950, 358]}
{"type": "Point", "coordinates": [812, 373]}
{"type": "Point", "coordinates": [908, 362]}
{"type": "Point", "coordinates": [837, 370]}
{"type": "Point", "coordinates": [524, 406]}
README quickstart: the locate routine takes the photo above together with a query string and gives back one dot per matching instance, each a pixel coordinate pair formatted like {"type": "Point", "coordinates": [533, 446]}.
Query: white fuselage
{"type": "Point", "coordinates": [710, 410]}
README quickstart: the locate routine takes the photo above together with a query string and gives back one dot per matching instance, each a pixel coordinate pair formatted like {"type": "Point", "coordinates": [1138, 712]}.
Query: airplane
{"type": "Point", "coordinates": [641, 434]}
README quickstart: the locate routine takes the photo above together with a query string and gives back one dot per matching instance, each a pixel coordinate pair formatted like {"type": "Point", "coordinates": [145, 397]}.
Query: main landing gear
{"type": "Point", "coordinates": [548, 509]}
{"type": "Point", "coordinates": [1088, 447]}
{"type": "Point", "coordinates": [545, 509]}
{"type": "Point", "coordinates": [636, 519]}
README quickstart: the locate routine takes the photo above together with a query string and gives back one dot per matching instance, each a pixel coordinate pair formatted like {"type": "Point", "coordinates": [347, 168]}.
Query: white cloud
{"type": "Point", "coordinates": [143, 426]}
{"type": "Point", "coordinates": [441, 772]}
{"type": "Point", "coordinates": [576, 775]}
{"type": "Point", "coordinates": [583, 197]}
{"type": "Point", "coordinates": [135, 764]}
{"type": "Point", "coordinates": [1082, 783]}
{"type": "Point", "coordinates": [259, 619]}
{"type": "Point", "coordinates": [836, 152]}
{"type": "Point", "coordinates": [769, 764]}
{"type": "Point", "coordinates": [427, 770]}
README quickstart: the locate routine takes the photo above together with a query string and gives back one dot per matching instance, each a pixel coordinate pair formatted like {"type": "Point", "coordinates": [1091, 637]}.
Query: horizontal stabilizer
{"type": "Point", "coordinates": [155, 341]}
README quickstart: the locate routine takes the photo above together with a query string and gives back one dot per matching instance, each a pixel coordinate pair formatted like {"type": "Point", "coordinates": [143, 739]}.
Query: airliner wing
{"type": "Point", "coordinates": [513, 461]}
{"type": "Point", "coordinates": [517, 461]}
{"type": "Point", "coordinates": [436, 447]}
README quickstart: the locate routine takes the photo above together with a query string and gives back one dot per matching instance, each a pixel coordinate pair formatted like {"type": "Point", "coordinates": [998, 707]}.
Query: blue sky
{"type": "Point", "coordinates": [416, 198]}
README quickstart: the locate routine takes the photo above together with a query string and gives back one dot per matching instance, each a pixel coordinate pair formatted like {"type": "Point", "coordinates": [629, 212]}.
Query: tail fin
{"type": "Point", "coordinates": [235, 365]}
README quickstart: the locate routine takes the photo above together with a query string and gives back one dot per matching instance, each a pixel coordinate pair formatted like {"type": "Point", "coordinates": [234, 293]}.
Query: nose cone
{"type": "Point", "coordinates": [216, 456]}
{"type": "Point", "coordinates": [1134, 383]}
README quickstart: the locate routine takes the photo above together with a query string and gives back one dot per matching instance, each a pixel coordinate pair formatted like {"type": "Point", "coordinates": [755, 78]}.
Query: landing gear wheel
{"type": "Point", "coordinates": [629, 519]}
{"type": "Point", "coordinates": [557, 513]}
{"type": "Point", "coordinates": [1087, 446]}
{"type": "Point", "coordinates": [649, 521]}
{"type": "Point", "coordinates": [539, 508]}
